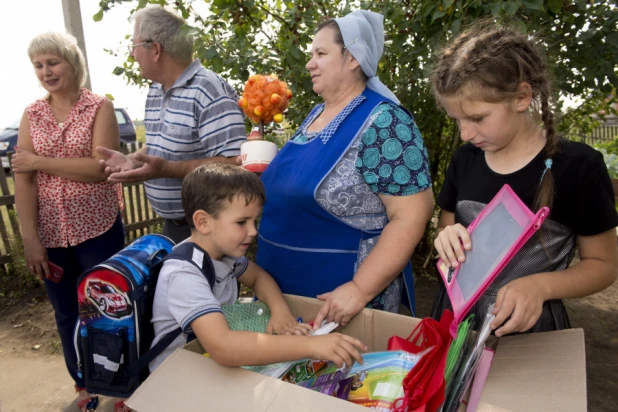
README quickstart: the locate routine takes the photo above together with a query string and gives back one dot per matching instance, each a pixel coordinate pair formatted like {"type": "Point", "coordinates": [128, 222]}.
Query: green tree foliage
{"type": "Point", "coordinates": [237, 38]}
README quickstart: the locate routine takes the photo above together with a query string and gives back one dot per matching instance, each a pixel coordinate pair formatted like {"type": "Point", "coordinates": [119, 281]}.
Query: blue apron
{"type": "Point", "coordinates": [305, 248]}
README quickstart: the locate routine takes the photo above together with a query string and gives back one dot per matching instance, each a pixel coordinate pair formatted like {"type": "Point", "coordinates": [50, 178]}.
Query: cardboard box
{"type": "Point", "coordinates": [537, 372]}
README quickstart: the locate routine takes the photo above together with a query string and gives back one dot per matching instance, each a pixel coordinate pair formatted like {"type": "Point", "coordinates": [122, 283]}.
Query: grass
{"type": "Point", "coordinates": [6, 221]}
{"type": "Point", "coordinates": [140, 133]}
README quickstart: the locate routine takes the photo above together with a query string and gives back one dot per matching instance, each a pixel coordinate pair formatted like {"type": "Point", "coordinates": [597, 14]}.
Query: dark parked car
{"type": "Point", "coordinates": [8, 136]}
{"type": "Point", "coordinates": [8, 140]}
{"type": "Point", "coordinates": [127, 130]}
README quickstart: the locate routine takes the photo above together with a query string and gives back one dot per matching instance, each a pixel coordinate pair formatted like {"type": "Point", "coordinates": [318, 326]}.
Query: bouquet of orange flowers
{"type": "Point", "coordinates": [265, 98]}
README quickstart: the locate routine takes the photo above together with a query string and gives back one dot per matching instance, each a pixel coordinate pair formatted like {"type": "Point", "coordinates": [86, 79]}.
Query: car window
{"type": "Point", "coordinates": [120, 117]}
{"type": "Point", "coordinates": [14, 126]}
{"type": "Point", "coordinates": [107, 289]}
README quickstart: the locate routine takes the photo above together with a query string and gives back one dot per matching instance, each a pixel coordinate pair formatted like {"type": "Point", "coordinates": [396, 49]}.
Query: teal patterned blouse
{"type": "Point", "coordinates": [392, 157]}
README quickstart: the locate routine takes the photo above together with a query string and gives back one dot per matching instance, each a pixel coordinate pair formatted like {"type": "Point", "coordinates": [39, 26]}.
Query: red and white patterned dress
{"type": "Point", "coordinates": [70, 212]}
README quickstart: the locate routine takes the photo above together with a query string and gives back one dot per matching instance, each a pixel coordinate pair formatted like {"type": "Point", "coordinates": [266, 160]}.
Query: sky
{"type": "Point", "coordinates": [22, 20]}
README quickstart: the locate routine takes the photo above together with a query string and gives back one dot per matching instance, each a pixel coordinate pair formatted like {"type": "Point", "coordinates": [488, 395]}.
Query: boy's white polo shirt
{"type": "Point", "coordinates": [183, 295]}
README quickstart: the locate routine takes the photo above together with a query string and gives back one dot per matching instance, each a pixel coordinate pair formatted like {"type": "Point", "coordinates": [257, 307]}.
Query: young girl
{"type": "Point", "coordinates": [494, 84]}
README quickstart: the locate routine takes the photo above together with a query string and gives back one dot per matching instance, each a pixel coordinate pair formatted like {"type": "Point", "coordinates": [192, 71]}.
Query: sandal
{"type": "Point", "coordinates": [121, 407]}
{"type": "Point", "coordinates": [87, 404]}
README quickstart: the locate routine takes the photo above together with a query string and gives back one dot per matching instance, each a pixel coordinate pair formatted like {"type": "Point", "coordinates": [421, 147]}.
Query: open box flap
{"type": "Point", "coordinates": [188, 381]}
{"type": "Point", "coordinates": [538, 372]}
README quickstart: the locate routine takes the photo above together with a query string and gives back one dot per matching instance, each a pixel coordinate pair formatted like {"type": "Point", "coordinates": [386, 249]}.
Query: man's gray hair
{"type": "Point", "coordinates": [162, 25]}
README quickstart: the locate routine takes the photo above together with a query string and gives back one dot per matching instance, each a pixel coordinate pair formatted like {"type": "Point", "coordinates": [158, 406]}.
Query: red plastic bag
{"type": "Point", "coordinates": [423, 386]}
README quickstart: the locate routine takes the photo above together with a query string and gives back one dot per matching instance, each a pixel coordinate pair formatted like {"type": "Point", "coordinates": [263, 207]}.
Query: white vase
{"type": "Point", "coordinates": [256, 155]}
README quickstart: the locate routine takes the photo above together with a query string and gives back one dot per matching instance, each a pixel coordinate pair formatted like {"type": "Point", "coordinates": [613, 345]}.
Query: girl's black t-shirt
{"type": "Point", "coordinates": [584, 195]}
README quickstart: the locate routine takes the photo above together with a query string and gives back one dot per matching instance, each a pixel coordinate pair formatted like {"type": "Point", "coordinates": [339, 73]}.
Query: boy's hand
{"type": "Point", "coordinates": [522, 300]}
{"type": "Point", "coordinates": [337, 348]}
{"type": "Point", "coordinates": [448, 244]}
{"type": "Point", "coordinates": [285, 324]}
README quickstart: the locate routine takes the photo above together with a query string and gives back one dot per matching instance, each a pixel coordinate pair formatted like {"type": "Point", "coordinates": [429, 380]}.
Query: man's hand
{"type": "Point", "coordinates": [114, 161]}
{"type": "Point", "coordinates": [23, 161]}
{"type": "Point", "coordinates": [122, 169]}
{"type": "Point", "coordinates": [340, 305]}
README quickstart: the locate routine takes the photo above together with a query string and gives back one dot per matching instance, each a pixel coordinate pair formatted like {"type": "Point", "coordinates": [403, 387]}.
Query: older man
{"type": "Point", "coordinates": [192, 117]}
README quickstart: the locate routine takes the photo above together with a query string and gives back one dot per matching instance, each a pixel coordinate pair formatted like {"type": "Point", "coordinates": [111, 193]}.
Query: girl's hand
{"type": "Point", "coordinates": [337, 348]}
{"type": "Point", "coordinates": [522, 300]}
{"type": "Point", "coordinates": [36, 258]}
{"type": "Point", "coordinates": [285, 324]}
{"type": "Point", "coordinates": [23, 161]}
{"type": "Point", "coordinates": [448, 244]}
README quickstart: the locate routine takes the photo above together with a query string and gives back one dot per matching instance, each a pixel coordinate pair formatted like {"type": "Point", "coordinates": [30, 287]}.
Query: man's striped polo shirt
{"type": "Point", "coordinates": [196, 118]}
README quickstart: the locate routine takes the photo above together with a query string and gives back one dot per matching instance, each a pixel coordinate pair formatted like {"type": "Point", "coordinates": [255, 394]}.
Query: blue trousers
{"type": "Point", "coordinates": [75, 260]}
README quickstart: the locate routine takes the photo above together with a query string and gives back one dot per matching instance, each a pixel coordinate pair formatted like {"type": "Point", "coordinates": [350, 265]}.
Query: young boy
{"type": "Point", "coordinates": [222, 203]}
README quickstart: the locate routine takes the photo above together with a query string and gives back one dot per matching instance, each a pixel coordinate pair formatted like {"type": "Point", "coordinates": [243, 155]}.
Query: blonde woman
{"type": "Point", "coordinates": [68, 212]}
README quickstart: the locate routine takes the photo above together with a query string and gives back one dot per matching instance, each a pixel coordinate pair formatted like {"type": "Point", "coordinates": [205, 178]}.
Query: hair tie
{"type": "Point", "coordinates": [548, 164]}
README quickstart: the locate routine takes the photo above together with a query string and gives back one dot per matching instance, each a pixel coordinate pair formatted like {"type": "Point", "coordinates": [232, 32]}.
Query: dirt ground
{"type": "Point", "coordinates": [34, 379]}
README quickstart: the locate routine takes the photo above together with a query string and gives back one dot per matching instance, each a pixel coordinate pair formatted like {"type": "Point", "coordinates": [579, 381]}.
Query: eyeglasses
{"type": "Point", "coordinates": [130, 47]}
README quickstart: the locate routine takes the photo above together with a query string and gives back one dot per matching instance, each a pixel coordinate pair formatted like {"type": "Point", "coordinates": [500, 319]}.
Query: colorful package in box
{"type": "Point", "coordinates": [333, 384]}
{"type": "Point", "coordinates": [304, 370]}
{"type": "Point", "coordinates": [378, 381]}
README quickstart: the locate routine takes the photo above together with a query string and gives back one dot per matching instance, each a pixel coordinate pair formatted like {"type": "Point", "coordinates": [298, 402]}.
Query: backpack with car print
{"type": "Point", "coordinates": [114, 331]}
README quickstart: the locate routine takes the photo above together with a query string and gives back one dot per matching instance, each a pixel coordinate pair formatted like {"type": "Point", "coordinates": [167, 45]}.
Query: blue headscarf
{"type": "Point", "coordinates": [363, 37]}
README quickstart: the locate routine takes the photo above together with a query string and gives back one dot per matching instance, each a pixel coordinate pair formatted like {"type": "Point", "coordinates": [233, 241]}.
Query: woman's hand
{"type": "Point", "coordinates": [36, 258]}
{"type": "Point", "coordinates": [23, 161]}
{"type": "Point", "coordinates": [522, 300]}
{"type": "Point", "coordinates": [341, 305]}
{"type": "Point", "coordinates": [448, 244]}
{"type": "Point", "coordinates": [286, 324]}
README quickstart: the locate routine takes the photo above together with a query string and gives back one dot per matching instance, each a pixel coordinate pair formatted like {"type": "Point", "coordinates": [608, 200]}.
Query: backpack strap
{"type": "Point", "coordinates": [198, 257]}
{"type": "Point", "coordinates": [153, 352]}
{"type": "Point", "coordinates": [189, 252]}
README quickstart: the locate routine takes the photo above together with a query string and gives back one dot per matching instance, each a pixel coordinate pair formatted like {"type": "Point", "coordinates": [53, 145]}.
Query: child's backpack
{"type": "Point", "coordinates": [114, 331]}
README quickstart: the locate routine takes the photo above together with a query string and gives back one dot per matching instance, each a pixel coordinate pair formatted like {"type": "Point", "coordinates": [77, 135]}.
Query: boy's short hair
{"type": "Point", "coordinates": [210, 186]}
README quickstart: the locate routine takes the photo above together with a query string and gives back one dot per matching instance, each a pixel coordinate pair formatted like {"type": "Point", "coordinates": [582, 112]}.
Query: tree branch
{"type": "Point", "coordinates": [281, 19]}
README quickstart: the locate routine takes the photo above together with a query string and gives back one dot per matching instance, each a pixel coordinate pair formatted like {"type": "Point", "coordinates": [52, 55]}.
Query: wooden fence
{"type": "Point", "coordinates": [608, 130]}
{"type": "Point", "coordinates": [138, 217]}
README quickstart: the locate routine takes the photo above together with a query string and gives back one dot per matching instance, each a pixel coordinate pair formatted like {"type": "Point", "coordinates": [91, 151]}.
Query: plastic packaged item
{"type": "Point", "coordinates": [457, 348]}
{"type": "Point", "coordinates": [335, 384]}
{"type": "Point", "coordinates": [470, 361]}
{"type": "Point", "coordinates": [482, 371]}
{"type": "Point", "coordinates": [304, 370]}
{"type": "Point", "coordinates": [497, 234]}
{"type": "Point", "coordinates": [377, 383]}
{"type": "Point", "coordinates": [251, 317]}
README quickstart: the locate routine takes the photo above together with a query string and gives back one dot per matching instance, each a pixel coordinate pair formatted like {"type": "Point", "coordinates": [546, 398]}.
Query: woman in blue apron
{"type": "Point", "coordinates": [350, 194]}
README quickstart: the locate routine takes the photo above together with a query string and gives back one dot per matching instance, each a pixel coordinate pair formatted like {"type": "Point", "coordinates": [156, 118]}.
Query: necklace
{"type": "Point", "coordinates": [56, 118]}
{"type": "Point", "coordinates": [59, 121]}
